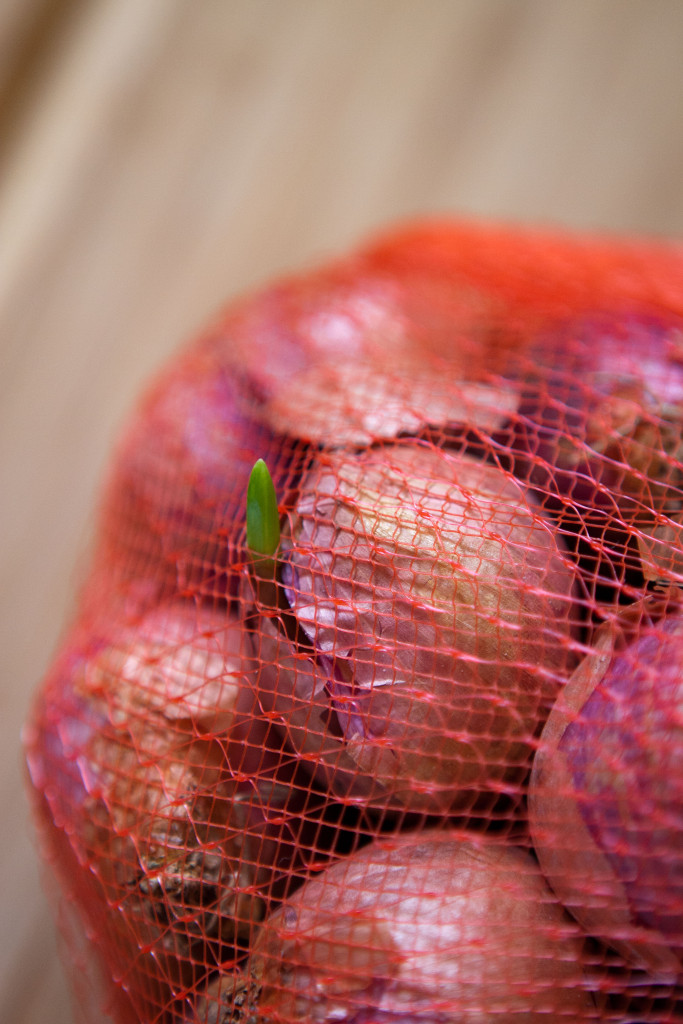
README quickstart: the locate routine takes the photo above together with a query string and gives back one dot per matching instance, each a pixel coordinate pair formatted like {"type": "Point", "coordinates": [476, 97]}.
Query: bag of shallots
{"type": "Point", "coordinates": [372, 711]}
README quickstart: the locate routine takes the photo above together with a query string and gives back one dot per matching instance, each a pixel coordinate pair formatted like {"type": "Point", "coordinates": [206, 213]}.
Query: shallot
{"type": "Point", "coordinates": [425, 627]}
{"type": "Point", "coordinates": [436, 928]}
{"type": "Point", "coordinates": [168, 797]}
{"type": "Point", "coordinates": [601, 423]}
{"type": "Point", "coordinates": [606, 794]}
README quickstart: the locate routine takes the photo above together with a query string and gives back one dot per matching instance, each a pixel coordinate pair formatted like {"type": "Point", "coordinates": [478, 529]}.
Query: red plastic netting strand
{"type": "Point", "coordinates": [423, 762]}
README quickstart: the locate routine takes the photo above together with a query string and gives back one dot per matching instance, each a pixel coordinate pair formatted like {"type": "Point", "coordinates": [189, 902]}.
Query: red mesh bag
{"type": "Point", "coordinates": [390, 731]}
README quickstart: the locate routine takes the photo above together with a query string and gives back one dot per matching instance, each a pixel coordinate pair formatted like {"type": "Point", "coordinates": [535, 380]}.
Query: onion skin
{"type": "Point", "coordinates": [227, 999]}
{"type": "Point", "coordinates": [433, 927]}
{"type": "Point", "coordinates": [434, 616]}
{"type": "Point", "coordinates": [164, 797]}
{"type": "Point", "coordinates": [606, 792]}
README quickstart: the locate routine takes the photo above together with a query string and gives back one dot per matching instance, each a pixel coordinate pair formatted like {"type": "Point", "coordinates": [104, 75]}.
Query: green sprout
{"type": "Point", "coordinates": [263, 520]}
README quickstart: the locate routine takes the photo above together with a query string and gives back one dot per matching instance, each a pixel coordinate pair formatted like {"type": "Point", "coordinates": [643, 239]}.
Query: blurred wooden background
{"type": "Point", "coordinates": [157, 156]}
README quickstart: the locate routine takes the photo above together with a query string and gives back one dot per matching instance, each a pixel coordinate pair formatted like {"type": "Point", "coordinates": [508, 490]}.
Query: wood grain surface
{"type": "Point", "coordinates": [158, 156]}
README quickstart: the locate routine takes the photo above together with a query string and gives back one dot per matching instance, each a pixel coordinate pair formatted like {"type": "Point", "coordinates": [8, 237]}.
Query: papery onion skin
{"type": "Point", "coordinates": [227, 999]}
{"type": "Point", "coordinates": [436, 928]}
{"type": "Point", "coordinates": [606, 793]}
{"type": "Point", "coordinates": [163, 798]}
{"type": "Point", "coordinates": [438, 612]}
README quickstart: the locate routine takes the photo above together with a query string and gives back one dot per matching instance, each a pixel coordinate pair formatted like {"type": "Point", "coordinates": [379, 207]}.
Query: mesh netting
{"type": "Point", "coordinates": [421, 762]}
